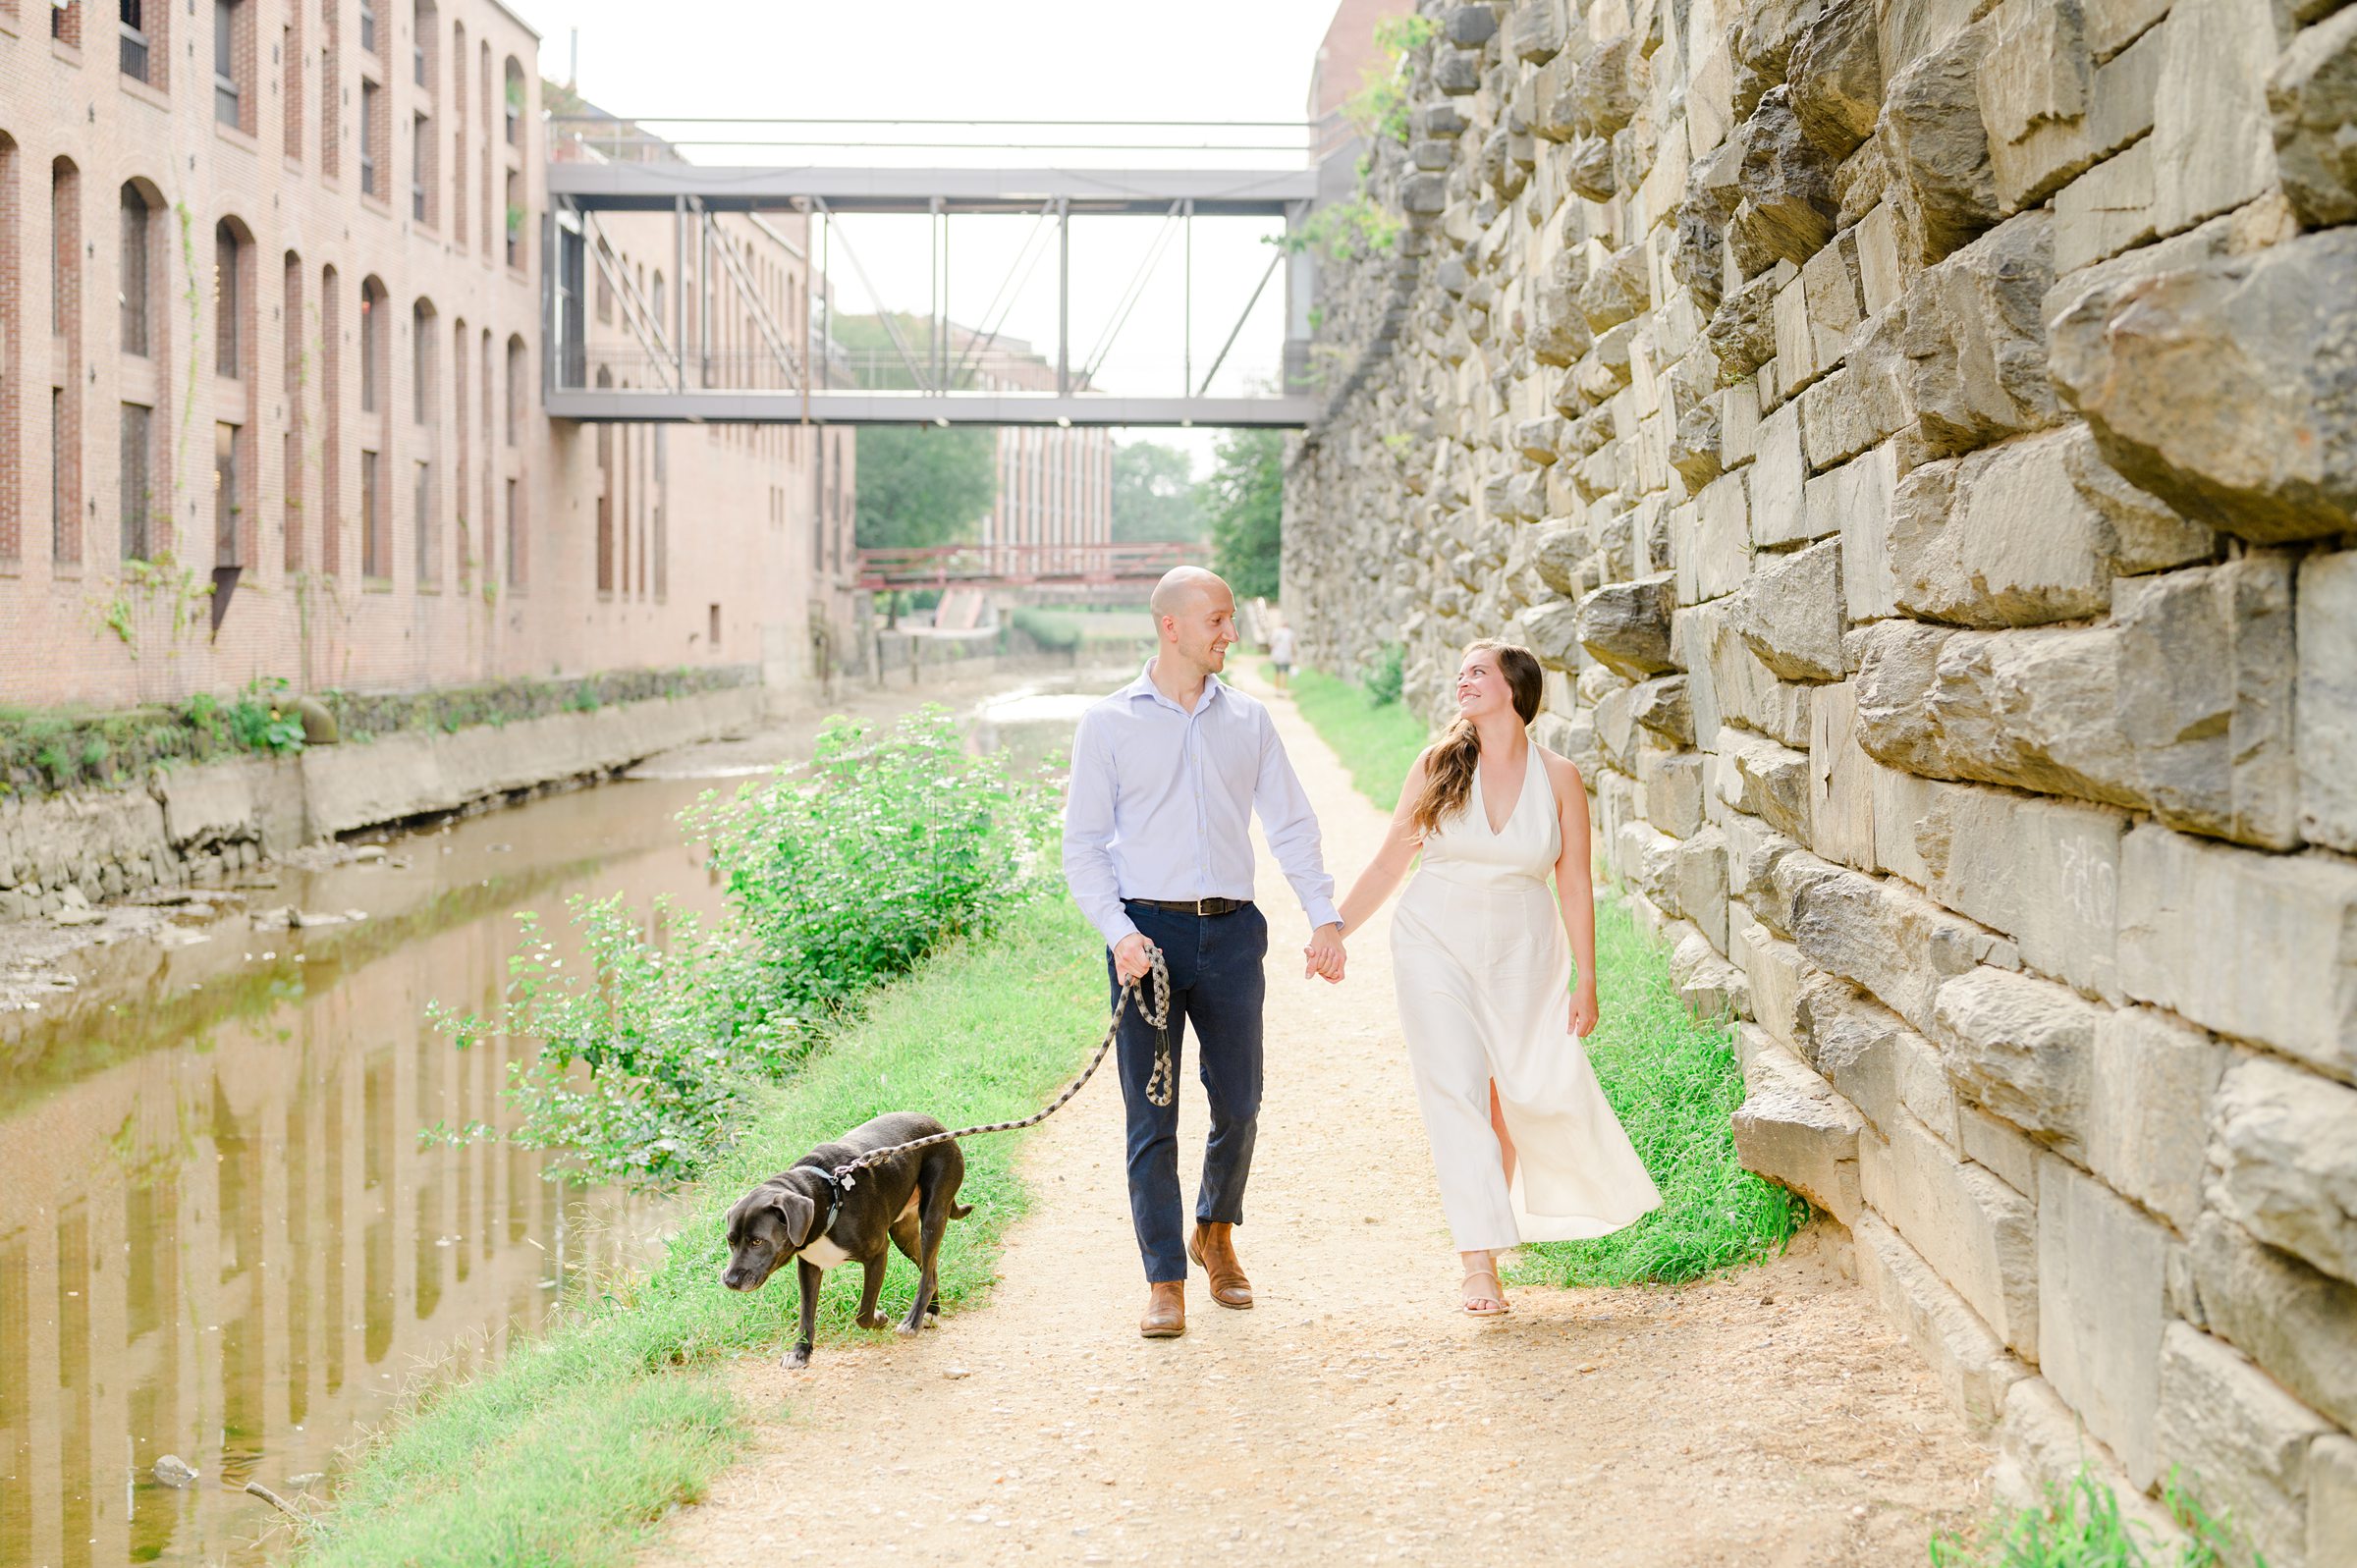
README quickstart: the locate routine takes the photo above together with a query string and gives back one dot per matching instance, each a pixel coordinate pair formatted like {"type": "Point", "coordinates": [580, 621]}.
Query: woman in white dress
{"type": "Point", "coordinates": [1525, 1144]}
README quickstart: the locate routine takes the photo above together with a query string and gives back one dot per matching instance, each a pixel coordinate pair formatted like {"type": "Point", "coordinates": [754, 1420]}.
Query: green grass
{"type": "Point", "coordinates": [568, 1449]}
{"type": "Point", "coordinates": [1377, 741]}
{"type": "Point", "coordinates": [2080, 1525]}
{"type": "Point", "coordinates": [1671, 1078]}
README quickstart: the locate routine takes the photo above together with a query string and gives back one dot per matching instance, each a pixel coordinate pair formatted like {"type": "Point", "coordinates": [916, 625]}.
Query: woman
{"type": "Point", "coordinates": [1526, 1146]}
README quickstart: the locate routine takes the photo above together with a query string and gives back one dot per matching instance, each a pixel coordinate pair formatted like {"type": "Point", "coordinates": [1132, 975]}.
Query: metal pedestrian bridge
{"type": "Point", "coordinates": [768, 268]}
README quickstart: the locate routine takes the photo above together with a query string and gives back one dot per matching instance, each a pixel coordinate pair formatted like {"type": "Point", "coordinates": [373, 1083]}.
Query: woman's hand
{"type": "Point", "coordinates": [1582, 1021]}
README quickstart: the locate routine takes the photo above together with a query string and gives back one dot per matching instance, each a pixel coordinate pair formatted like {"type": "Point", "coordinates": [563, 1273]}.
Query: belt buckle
{"type": "Point", "coordinates": [1202, 913]}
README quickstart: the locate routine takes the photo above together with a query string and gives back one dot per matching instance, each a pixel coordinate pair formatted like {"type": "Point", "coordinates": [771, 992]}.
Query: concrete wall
{"type": "Point", "coordinates": [1918, 437]}
{"type": "Point", "coordinates": [195, 823]}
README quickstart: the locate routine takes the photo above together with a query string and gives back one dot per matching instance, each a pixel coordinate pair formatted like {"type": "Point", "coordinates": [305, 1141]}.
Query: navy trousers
{"type": "Point", "coordinates": [1217, 986]}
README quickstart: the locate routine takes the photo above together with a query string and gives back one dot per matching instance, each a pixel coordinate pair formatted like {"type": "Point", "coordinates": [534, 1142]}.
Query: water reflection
{"type": "Point", "coordinates": [220, 1234]}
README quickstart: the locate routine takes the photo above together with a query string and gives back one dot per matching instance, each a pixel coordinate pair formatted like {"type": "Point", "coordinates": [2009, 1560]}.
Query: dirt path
{"type": "Point", "coordinates": [1766, 1417]}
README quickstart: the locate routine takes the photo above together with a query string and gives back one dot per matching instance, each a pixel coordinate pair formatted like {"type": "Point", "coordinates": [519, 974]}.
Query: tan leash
{"type": "Point", "coordinates": [1161, 1084]}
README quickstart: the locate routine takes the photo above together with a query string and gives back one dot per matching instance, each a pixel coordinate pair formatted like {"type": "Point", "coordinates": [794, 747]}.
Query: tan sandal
{"type": "Point", "coordinates": [1493, 1304]}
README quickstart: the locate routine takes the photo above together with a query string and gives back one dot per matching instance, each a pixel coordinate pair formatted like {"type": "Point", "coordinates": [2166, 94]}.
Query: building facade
{"type": "Point", "coordinates": [270, 356]}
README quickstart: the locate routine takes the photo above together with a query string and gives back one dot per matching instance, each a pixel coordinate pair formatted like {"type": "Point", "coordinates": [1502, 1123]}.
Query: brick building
{"type": "Point", "coordinates": [322, 221]}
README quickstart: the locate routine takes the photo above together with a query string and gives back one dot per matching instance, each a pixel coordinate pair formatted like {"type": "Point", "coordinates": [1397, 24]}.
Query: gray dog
{"type": "Point", "coordinates": [907, 1200]}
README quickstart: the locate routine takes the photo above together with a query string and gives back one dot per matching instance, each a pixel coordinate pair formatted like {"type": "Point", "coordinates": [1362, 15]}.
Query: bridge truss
{"type": "Point", "coordinates": [801, 376]}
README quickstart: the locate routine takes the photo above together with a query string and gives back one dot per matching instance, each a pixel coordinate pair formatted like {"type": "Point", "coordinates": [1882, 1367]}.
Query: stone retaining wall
{"type": "Point", "coordinates": [1920, 437]}
{"type": "Point", "coordinates": [201, 822]}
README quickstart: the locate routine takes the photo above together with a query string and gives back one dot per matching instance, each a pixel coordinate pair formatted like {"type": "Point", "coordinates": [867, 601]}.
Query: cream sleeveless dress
{"type": "Point", "coordinates": [1484, 973]}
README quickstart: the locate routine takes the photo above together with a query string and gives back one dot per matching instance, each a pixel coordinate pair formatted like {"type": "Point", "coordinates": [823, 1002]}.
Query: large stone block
{"type": "Point", "coordinates": [1854, 1041]}
{"type": "Point", "coordinates": [1550, 630]}
{"type": "Point", "coordinates": [1861, 494]}
{"type": "Point", "coordinates": [1979, 1234]}
{"type": "Point", "coordinates": [2045, 1445]}
{"type": "Point", "coordinates": [1834, 73]}
{"type": "Point", "coordinates": [2275, 1309]}
{"type": "Point", "coordinates": [1965, 347]}
{"type": "Point", "coordinates": [2021, 1047]}
{"type": "Point", "coordinates": [1714, 558]}
{"type": "Point", "coordinates": [2102, 1291]}
{"type": "Point", "coordinates": [1969, 1362]}
{"type": "Point", "coordinates": [1883, 935]}
{"type": "Point", "coordinates": [2007, 537]}
{"type": "Point", "coordinates": [1840, 781]}
{"type": "Point", "coordinates": [1779, 480]}
{"type": "Point", "coordinates": [2148, 1122]}
{"type": "Point", "coordinates": [1727, 683]}
{"type": "Point", "coordinates": [210, 804]}
{"type": "Point", "coordinates": [2332, 1502]}
{"type": "Point", "coordinates": [1765, 778]}
{"type": "Point", "coordinates": [1793, 1129]}
{"type": "Point", "coordinates": [1788, 205]}
{"type": "Point", "coordinates": [1626, 625]}
{"type": "Point", "coordinates": [2325, 743]}
{"type": "Point", "coordinates": [2213, 138]}
{"type": "Point", "coordinates": [2182, 708]}
{"type": "Point", "coordinates": [2240, 1441]}
{"type": "Point", "coordinates": [2225, 384]}
{"type": "Point", "coordinates": [2313, 95]}
{"type": "Point", "coordinates": [1938, 146]}
{"type": "Point", "coordinates": [2285, 971]}
{"type": "Point", "coordinates": [1791, 612]}
{"type": "Point", "coordinates": [2044, 872]}
{"type": "Point", "coordinates": [2285, 1156]}
{"type": "Point", "coordinates": [2034, 84]}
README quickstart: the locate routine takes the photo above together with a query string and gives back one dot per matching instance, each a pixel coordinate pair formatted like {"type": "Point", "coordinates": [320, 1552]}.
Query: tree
{"type": "Point", "coordinates": [1154, 493]}
{"type": "Point", "coordinates": [921, 485]}
{"type": "Point", "coordinates": [1246, 504]}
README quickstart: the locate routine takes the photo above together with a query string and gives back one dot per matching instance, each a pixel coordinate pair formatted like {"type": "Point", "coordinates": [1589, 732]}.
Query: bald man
{"type": "Point", "coordinates": [1167, 773]}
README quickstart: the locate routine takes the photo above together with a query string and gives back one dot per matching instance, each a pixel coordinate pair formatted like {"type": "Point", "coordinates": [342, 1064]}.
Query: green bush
{"type": "Point", "coordinates": [836, 880]}
{"type": "Point", "coordinates": [1386, 675]}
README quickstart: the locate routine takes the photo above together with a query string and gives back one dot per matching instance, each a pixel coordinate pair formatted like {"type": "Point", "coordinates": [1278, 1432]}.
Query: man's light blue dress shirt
{"type": "Point", "coordinates": [1162, 800]}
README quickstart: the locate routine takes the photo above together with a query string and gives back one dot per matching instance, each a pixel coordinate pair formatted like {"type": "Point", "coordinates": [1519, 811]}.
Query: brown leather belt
{"type": "Point", "coordinates": [1195, 906]}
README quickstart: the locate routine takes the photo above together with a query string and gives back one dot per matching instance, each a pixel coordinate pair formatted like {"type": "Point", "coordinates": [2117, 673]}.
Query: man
{"type": "Point", "coordinates": [1157, 846]}
{"type": "Point", "coordinates": [1281, 653]}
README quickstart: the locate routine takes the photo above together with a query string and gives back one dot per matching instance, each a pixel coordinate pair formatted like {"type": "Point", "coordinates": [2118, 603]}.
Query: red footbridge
{"type": "Point", "coordinates": [1024, 566]}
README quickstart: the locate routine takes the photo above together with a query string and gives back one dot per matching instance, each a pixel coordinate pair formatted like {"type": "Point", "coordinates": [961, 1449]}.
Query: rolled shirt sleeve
{"type": "Point", "coordinates": [1292, 828]}
{"type": "Point", "coordinates": [1088, 827]}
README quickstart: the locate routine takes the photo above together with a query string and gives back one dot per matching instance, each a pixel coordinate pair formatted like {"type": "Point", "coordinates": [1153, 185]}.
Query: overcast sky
{"type": "Point", "coordinates": [1208, 60]}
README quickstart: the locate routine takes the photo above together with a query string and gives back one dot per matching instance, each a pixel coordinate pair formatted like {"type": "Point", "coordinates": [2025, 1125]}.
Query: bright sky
{"type": "Point", "coordinates": [1209, 60]}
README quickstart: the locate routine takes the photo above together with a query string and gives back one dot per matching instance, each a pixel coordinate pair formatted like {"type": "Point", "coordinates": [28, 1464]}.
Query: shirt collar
{"type": "Point", "coordinates": [1143, 686]}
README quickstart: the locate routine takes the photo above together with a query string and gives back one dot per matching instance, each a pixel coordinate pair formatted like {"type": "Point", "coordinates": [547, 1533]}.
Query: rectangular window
{"type": "Point", "coordinates": [515, 109]}
{"type": "Point", "coordinates": [228, 296]}
{"type": "Point", "coordinates": [330, 131]}
{"type": "Point", "coordinates": [134, 272]}
{"type": "Point", "coordinates": [226, 510]}
{"type": "Point", "coordinates": [516, 387]}
{"type": "Point", "coordinates": [65, 24]}
{"type": "Point", "coordinates": [369, 94]}
{"type": "Point", "coordinates": [516, 216]}
{"type": "Point", "coordinates": [61, 474]}
{"type": "Point", "coordinates": [368, 27]}
{"type": "Point", "coordinates": [515, 535]}
{"type": "Point", "coordinates": [373, 323]}
{"type": "Point", "coordinates": [225, 62]}
{"type": "Point", "coordinates": [139, 502]}
{"type": "Point", "coordinates": [423, 515]}
{"type": "Point", "coordinates": [372, 520]}
{"type": "Point", "coordinates": [134, 39]}
{"type": "Point", "coordinates": [421, 164]}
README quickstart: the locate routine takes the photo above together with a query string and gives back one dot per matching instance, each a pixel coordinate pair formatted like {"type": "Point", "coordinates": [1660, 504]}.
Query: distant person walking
{"type": "Point", "coordinates": [1280, 651]}
{"type": "Point", "coordinates": [1525, 1144]}
{"type": "Point", "coordinates": [1167, 774]}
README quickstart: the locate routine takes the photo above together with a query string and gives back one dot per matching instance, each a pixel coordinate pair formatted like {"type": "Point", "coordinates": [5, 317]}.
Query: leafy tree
{"type": "Point", "coordinates": [1247, 505]}
{"type": "Point", "coordinates": [922, 485]}
{"type": "Point", "coordinates": [1154, 495]}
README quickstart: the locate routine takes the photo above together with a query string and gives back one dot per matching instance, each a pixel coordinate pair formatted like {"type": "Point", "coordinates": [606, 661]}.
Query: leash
{"type": "Point", "coordinates": [1161, 1084]}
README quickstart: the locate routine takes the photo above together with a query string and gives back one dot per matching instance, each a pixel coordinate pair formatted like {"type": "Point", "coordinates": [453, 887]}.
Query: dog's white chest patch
{"type": "Point", "coordinates": [823, 1254]}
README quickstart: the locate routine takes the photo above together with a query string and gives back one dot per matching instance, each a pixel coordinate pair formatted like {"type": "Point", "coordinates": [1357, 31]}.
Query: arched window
{"type": "Point", "coordinates": [65, 393]}
{"type": "Point", "coordinates": [421, 368]}
{"type": "Point", "coordinates": [372, 346]}
{"type": "Point", "coordinates": [514, 104]}
{"type": "Point", "coordinates": [229, 301]}
{"type": "Point", "coordinates": [331, 423]}
{"type": "Point", "coordinates": [135, 263]}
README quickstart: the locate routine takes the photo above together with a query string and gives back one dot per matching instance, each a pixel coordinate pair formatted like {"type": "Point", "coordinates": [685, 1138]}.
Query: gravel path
{"type": "Point", "coordinates": [1761, 1419]}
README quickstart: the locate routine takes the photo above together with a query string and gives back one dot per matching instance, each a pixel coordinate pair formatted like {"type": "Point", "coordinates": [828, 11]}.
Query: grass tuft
{"type": "Point", "coordinates": [567, 1451]}
{"type": "Point", "coordinates": [2080, 1525]}
{"type": "Point", "coordinates": [1673, 1079]}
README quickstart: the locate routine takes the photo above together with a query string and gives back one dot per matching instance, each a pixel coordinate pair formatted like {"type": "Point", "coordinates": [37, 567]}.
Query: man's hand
{"type": "Point", "coordinates": [1130, 959]}
{"type": "Point", "coordinates": [1324, 955]}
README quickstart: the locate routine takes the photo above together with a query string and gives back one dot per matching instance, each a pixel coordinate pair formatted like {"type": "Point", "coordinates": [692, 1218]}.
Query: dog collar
{"type": "Point", "coordinates": [834, 1207]}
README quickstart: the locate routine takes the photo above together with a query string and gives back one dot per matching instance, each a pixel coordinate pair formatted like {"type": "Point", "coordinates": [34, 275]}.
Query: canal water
{"type": "Point", "coordinates": [221, 1235]}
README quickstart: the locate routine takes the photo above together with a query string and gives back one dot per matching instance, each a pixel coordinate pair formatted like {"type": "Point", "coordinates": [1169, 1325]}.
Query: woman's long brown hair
{"type": "Point", "coordinates": [1448, 766]}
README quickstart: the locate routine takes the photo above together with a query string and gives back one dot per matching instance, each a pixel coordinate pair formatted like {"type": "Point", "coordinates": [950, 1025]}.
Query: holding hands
{"type": "Point", "coordinates": [1324, 956]}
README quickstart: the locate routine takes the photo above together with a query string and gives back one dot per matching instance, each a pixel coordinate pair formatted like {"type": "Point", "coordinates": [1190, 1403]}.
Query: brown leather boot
{"type": "Point", "coordinates": [1213, 1245]}
{"type": "Point", "coordinates": [1166, 1310]}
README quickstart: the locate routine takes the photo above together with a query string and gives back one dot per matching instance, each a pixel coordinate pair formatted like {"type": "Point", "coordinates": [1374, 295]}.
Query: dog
{"type": "Point", "coordinates": [906, 1201]}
